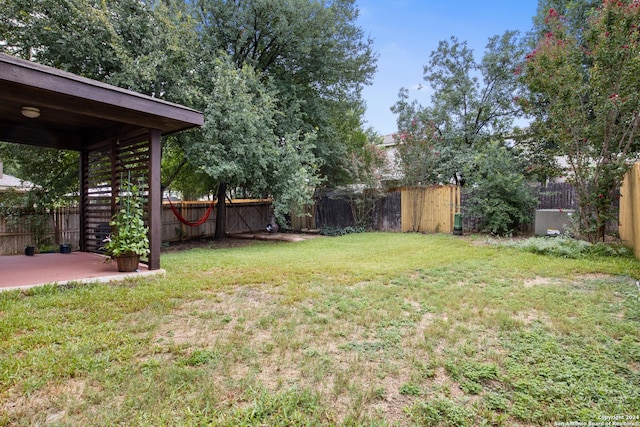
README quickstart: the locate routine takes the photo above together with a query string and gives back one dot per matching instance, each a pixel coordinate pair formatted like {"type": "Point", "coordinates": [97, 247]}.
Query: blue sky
{"type": "Point", "coordinates": [405, 32]}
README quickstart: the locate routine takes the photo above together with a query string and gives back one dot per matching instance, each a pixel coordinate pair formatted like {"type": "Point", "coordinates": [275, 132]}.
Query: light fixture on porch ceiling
{"type": "Point", "coordinates": [30, 112]}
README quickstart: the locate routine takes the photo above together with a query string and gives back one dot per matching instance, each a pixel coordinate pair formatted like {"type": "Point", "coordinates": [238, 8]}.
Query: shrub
{"type": "Point", "coordinates": [499, 194]}
{"type": "Point", "coordinates": [566, 247]}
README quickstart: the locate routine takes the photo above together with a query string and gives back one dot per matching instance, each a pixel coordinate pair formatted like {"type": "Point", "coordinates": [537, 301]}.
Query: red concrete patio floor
{"type": "Point", "coordinates": [20, 271]}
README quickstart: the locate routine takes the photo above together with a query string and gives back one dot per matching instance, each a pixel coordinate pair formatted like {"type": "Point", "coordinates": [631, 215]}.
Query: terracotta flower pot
{"type": "Point", "coordinates": [128, 263]}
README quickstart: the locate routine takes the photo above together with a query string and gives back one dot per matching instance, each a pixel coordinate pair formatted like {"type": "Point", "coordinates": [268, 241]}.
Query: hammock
{"type": "Point", "coordinates": [192, 223]}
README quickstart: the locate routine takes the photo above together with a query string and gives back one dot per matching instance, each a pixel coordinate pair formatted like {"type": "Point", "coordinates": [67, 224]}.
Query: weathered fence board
{"type": "Point", "coordinates": [305, 221]}
{"type": "Point", "coordinates": [561, 195]}
{"type": "Point", "coordinates": [334, 212]}
{"type": "Point", "coordinates": [387, 215]}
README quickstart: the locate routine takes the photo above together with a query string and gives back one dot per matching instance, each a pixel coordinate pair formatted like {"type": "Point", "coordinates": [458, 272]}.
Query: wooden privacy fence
{"type": "Point", "coordinates": [62, 225]}
{"type": "Point", "coordinates": [419, 209]}
{"type": "Point", "coordinates": [425, 209]}
{"type": "Point", "coordinates": [243, 215]}
{"type": "Point", "coordinates": [629, 216]}
{"type": "Point", "coordinates": [429, 209]}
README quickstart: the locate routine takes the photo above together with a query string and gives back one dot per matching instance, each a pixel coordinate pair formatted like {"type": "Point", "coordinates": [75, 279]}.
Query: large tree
{"type": "Point", "coordinates": [314, 55]}
{"type": "Point", "coordinates": [311, 57]}
{"type": "Point", "coordinates": [585, 95]}
{"type": "Point", "coordinates": [241, 148]}
{"type": "Point", "coordinates": [471, 103]}
{"type": "Point", "coordinates": [464, 129]}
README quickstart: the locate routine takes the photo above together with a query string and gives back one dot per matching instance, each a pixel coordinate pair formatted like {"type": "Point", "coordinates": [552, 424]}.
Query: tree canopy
{"type": "Point", "coordinates": [471, 103]}
{"type": "Point", "coordinates": [585, 96]}
{"type": "Point", "coordinates": [313, 55]}
{"type": "Point", "coordinates": [304, 61]}
{"type": "Point", "coordinates": [462, 133]}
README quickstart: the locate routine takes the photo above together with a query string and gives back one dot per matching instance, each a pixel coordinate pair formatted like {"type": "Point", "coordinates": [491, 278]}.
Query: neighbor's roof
{"type": "Point", "coordinates": [11, 182]}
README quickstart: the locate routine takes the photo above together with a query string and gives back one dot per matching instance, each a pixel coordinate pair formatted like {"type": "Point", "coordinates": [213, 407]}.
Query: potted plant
{"type": "Point", "coordinates": [128, 241]}
{"type": "Point", "coordinates": [30, 250]}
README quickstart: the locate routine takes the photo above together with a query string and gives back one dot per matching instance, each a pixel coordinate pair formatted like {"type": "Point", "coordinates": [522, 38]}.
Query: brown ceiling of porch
{"type": "Point", "coordinates": [76, 112]}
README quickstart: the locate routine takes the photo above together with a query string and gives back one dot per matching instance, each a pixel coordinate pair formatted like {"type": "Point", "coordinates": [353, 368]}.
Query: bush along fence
{"type": "Point", "coordinates": [62, 225]}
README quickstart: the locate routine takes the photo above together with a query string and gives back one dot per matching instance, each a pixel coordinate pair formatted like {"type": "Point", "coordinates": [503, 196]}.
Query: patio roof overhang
{"type": "Point", "coordinates": [76, 113]}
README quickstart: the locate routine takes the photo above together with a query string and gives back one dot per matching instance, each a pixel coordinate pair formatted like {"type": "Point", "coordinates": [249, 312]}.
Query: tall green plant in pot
{"type": "Point", "coordinates": [128, 241]}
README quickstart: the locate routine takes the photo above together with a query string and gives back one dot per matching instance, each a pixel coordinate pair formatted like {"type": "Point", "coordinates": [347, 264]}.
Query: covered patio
{"type": "Point", "coordinates": [116, 131]}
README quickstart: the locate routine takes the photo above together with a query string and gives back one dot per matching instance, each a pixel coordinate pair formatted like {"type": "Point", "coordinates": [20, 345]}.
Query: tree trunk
{"type": "Point", "coordinates": [601, 235]}
{"type": "Point", "coordinates": [221, 211]}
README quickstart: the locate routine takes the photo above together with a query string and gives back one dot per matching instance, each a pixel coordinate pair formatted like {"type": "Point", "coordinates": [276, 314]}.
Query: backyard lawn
{"type": "Point", "coordinates": [376, 329]}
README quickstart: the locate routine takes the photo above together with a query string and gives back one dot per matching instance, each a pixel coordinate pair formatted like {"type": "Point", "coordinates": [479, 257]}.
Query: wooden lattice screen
{"type": "Point", "coordinates": [105, 169]}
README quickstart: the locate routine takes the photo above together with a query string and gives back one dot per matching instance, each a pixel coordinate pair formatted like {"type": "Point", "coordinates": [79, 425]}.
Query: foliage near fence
{"type": "Point", "coordinates": [629, 217]}
{"type": "Point", "coordinates": [63, 224]}
{"type": "Point", "coordinates": [559, 195]}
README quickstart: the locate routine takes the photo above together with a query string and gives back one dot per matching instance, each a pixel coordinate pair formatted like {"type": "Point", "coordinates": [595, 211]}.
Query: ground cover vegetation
{"type": "Point", "coordinates": [364, 329]}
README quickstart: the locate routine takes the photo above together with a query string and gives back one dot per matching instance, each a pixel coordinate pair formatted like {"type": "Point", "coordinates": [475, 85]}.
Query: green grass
{"type": "Point", "coordinates": [366, 329]}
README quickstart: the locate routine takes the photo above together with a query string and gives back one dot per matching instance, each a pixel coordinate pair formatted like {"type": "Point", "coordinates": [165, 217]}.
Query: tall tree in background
{"type": "Point", "coordinates": [471, 114]}
{"type": "Point", "coordinates": [314, 55]}
{"type": "Point", "coordinates": [241, 149]}
{"type": "Point", "coordinates": [585, 95]}
{"type": "Point", "coordinates": [472, 102]}
{"type": "Point", "coordinates": [310, 56]}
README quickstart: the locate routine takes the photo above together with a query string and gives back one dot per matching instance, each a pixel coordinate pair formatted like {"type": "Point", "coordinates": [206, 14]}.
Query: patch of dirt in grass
{"type": "Point", "coordinates": [43, 404]}
{"type": "Point", "coordinates": [280, 347]}
{"type": "Point", "coordinates": [393, 404]}
{"type": "Point", "coordinates": [442, 381]}
{"type": "Point", "coordinates": [203, 322]}
{"type": "Point", "coordinates": [181, 330]}
{"type": "Point", "coordinates": [592, 276]}
{"type": "Point", "coordinates": [529, 316]}
{"type": "Point", "coordinates": [537, 281]}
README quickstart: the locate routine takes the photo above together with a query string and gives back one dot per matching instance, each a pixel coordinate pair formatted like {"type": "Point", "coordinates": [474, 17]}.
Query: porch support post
{"type": "Point", "coordinates": [84, 161]}
{"type": "Point", "coordinates": [155, 199]}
